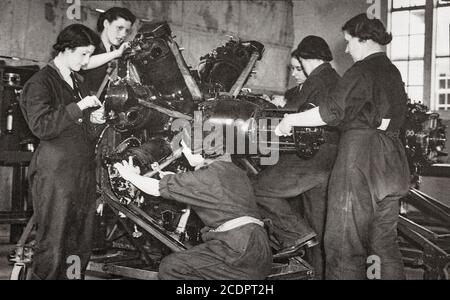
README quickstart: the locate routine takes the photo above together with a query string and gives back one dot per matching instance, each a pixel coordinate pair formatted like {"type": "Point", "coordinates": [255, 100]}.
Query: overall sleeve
{"type": "Point", "coordinates": [395, 102]}
{"type": "Point", "coordinates": [193, 188]}
{"type": "Point", "coordinates": [92, 130]}
{"type": "Point", "coordinates": [45, 120]}
{"type": "Point", "coordinates": [315, 91]}
{"type": "Point", "coordinates": [292, 98]}
{"type": "Point", "coordinates": [349, 98]}
{"type": "Point", "coordinates": [310, 92]}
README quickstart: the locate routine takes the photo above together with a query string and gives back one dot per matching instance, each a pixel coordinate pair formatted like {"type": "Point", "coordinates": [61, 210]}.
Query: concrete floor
{"type": "Point", "coordinates": [6, 268]}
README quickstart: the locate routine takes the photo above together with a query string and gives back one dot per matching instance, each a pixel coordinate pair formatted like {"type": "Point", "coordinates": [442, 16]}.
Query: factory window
{"type": "Point", "coordinates": [442, 57]}
{"type": "Point", "coordinates": [408, 44]}
{"type": "Point", "coordinates": [418, 25]}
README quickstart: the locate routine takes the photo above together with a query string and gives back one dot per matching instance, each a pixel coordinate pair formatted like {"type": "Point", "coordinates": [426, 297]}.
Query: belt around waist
{"type": "Point", "coordinates": [389, 133]}
{"type": "Point", "coordinates": [238, 222]}
{"type": "Point", "coordinates": [392, 134]}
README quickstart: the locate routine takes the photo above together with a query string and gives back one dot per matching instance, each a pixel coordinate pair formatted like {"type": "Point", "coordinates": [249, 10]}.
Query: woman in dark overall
{"type": "Point", "coordinates": [114, 27]}
{"type": "Point", "coordinates": [235, 243]}
{"type": "Point", "coordinates": [62, 172]}
{"type": "Point", "coordinates": [294, 176]}
{"type": "Point", "coordinates": [371, 172]}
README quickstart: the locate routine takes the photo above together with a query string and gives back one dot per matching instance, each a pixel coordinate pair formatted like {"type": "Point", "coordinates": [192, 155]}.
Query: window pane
{"type": "Point", "coordinates": [442, 77]}
{"type": "Point", "coordinates": [415, 73]}
{"type": "Point", "coordinates": [417, 2]}
{"type": "Point", "coordinates": [402, 66]}
{"type": "Point", "coordinates": [400, 22]}
{"type": "Point", "coordinates": [443, 31]}
{"type": "Point", "coordinates": [415, 93]}
{"type": "Point", "coordinates": [407, 3]}
{"type": "Point", "coordinates": [417, 46]}
{"type": "Point", "coordinates": [399, 48]}
{"type": "Point", "coordinates": [417, 22]}
{"type": "Point", "coordinates": [443, 68]}
{"type": "Point", "coordinates": [400, 3]}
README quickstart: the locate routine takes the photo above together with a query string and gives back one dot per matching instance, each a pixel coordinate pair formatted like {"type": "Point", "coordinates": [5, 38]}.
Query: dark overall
{"type": "Point", "coordinates": [62, 175]}
{"type": "Point", "coordinates": [218, 193]}
{"type": "Point", "coordinates": [93, 78]}
{"type": "Point", "coordinates": [293, 176]}
{"type": "Point", "coordinates": [371, 172]}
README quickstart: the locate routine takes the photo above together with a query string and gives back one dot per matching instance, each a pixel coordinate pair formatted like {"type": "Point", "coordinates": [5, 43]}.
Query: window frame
{"type": "Point", "coordinates": [430, 81]}
{"type": "Point", "coordinates": [409, 59]}
{"type": "Point", "coordinates": [435, 80]}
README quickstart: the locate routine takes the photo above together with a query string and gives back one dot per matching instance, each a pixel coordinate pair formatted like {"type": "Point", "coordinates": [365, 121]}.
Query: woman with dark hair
{"type": "Point", "coordinates": [290, 96]}
{"type": "Point", "coordinates": [371, 172]}
{"type": "Point", "coordinates": [62, 172]}
{"type": "Point", "coordinates": [294, 176]}
{"type": "Point", "coordinates": [235, 244]}
{"type": "Point", "coordinates": [114, 26]}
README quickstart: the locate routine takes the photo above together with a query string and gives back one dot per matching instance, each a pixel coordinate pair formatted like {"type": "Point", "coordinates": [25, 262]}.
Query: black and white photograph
{"type": "Point", "coordinates": [225, 146]}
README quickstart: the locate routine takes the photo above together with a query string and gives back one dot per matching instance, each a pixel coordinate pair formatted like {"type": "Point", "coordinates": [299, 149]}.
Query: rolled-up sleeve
{"type": "Point", "coordinates": [346, 100]}
{"type": "Point", "coordinates": [45, 120]}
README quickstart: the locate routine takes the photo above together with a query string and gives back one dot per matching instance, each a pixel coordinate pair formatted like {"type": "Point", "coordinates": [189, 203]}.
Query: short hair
{"type": "Point", "coordinates": [313, 47]}
{"type": "Point", "coordinates": [365, 29]}
{"type": "Point", "coordinates": [113, 14]}
{"type": "Point", "coordinates": [75, 35]}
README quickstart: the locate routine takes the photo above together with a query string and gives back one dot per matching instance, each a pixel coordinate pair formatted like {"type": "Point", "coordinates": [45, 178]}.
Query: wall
{"type": "Point", "coordinates": [325, 18]}
{"type": "Point", "coordinates": [28, 28]}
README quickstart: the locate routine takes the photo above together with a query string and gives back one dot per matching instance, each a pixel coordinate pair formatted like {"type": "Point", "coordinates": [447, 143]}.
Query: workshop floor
{"type": "Point", "coordinates": [6, 268]}
{"type": "Point", "coordinates": [5, 249]}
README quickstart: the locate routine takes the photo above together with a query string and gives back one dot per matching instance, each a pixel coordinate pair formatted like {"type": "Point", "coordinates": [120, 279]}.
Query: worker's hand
{"type": "Point", "coordinates": [284, 128]}
{"type": "Point", "coordinates": [162, 174]}
{"type": "Point", "coordinates": [89, 102]}
{"type": "Point", "coordinates": [205, 230]}
{"type": "Point", "coordinates": [278, 101]}
{"type": "Point", "coordinates": [127, 169]}
{"type": "Point", "coordinates": [122, 48]}
{"type": "Point", "coordinates": [98, 116]}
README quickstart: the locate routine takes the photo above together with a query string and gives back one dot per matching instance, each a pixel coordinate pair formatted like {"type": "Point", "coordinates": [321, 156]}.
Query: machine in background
{"type": "Point", "coordinates": [17, 145]}
{"type": "Point", "coordinates": [424, 226]}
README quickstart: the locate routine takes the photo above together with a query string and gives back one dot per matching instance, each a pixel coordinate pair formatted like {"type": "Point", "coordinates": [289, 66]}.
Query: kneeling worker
{"type": "Point", "coordinates": [222, 196]}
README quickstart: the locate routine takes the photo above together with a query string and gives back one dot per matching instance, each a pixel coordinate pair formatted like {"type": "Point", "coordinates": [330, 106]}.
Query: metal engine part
{"type": "Point", "coordinates": [220, 69]}
{"type": "Point", "coordinates": [424, 137]}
